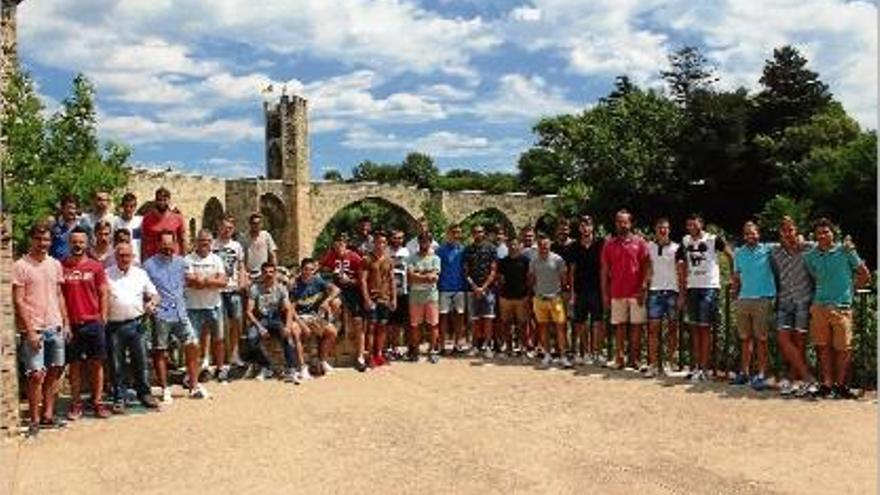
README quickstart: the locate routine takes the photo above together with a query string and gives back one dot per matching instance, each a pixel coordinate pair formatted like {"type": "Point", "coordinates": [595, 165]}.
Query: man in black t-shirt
{"type": "Point", "coordinates": [480, 265]}
{"type": "Point", "coordinates": [513, 290]}
{"type": "Point", "coordinates": [584, 272]}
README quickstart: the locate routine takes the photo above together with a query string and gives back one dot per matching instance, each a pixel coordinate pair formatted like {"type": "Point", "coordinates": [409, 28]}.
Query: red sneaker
{"type": "Point", "coordinates": [76, 410]}
{"type": "Point", "coordinates": [102, 411]}
{"type": "Point", "coordinates": [374, 362]}
{"type": "Point", "coordinates": [382, 360]}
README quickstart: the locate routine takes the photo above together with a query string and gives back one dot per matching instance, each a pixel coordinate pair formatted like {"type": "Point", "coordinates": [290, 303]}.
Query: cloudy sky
{"type": "Point", "coordinates": [462, 80]}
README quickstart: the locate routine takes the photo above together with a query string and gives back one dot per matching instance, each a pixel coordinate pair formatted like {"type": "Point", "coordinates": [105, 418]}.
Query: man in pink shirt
{"type": "Point", "coordinates": [87, 297]}
{"type": "Point", "coordinates": [42, 320]}
{"type": "Point", "coordinates": [625, 278]}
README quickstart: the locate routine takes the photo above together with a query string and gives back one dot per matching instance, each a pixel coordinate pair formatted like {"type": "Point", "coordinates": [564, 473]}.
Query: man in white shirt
{"type": "Point", "coordinates": [205, 278]}
{"type": "Point", "coordinates": [132, 295]}
{"type": "Point", "coordinates": [232, 254]}
{"type": "Point", "coordinates": [662, 295]}
{"type": "Point", "coordinates": [130, 222]}
{"type": "Point", "coordinates": [258, 245]}
{"type": "Point", "coordinates": [424, 228]}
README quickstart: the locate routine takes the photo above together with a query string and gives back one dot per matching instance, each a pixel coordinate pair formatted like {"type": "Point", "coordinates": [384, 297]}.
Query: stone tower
{"type": "Point", "coordinates": [287, 160]}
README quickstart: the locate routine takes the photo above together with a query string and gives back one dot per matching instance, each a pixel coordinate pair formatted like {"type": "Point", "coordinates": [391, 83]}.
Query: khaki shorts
{"type": "Point", "coordinates": [628, 310]}
{"type": "Point", "coordinates": [549, 309]}
{"type": "Point", "coordinates": [514, 310]}
{"type": "Point", "coordinates": [753, 318]}
{"type": "Point", "coordinates": [830, 324]}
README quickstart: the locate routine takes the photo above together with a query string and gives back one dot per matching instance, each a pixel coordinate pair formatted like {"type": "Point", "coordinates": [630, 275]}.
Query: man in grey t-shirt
{"type": "Point", "coordinates": [547, 274]}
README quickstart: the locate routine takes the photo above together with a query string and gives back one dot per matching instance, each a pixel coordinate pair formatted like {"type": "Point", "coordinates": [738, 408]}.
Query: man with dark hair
{"type": "Point", "coordinates": [100, 211]}
{"type": "Point", "coordinates": [753, 283]}
{"type": "Point", "coordinates": [547, 278]}
{"type": "Point", "coordinates": [584, 274]}
{"type": "Point", "coordinates": [270, 314]}
{"type": "Point", "coordinates": [452, 286]}
{"type": "Point", "coordinates": [68, 218]}
{"type": "Point", "coordinates": [424, 271]}
{"type": "Point", "coordinates": [41, 318]}
{"type": "Point", "coordinates": [167, 271]}
{"type": "Point", "coordinates": [399, 319]}
{"type": "Point", "coordinates": [345, 265]}
{"type": "Point", "coordinates": [380, 298]}
{"type": "Point", "coordinates": [513, 272]}
{"type": "Point", "coordinates": [102, 248]}
{"type": "Point", "coordinates": [626, 270]}
{"type": "Point", "coordinates": [423, 228]}
{"type": "Point", "coordinates": [836, 271]}
{"type": "Point", "coordinates": [480, 268]}
{"type": "Point", "coordinates": [86, 296]}
{"type": "Point", "coordinates": [311, 297]}
{"type": "Point", "coordinates": [258, 244]}
{"type": "Point", "coordinates": [232, 253]}
{"type": "Point", "coordinates": [363, 240]}
{"type": "Point", "coordinates": [130, 222]}
{"type": "Point", "coordinates": [160, 219]}
{"type": "Point", "coordinates": [662, 296]}
{"type": "Point", "coordinates": [700, 280]}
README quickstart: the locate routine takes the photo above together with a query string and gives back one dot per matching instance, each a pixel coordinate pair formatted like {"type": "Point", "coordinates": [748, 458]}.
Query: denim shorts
{"type": "Point", "coordinates": [87, 341]}
{"type": "Point", "coordinates": [50, 353]}
{"type": "Point", "coordinates": [452, 301]}
{"type": "Point", "coordinates": [210, 319]}
{"type": "Point", "coordinates": [232, 305]}
{"type": "Point", "coordinates": [379, 313]}
{"type": "Point", "coordinates": [481, 307]}
{"type": "Point", "coordinates": [791, 315]}
{"type": "Point", "coordinates": [702, 306]}
{"type": "Point", "coordinates": [662, 303]}
{"type": "Point", "coordinates": [181, 330]}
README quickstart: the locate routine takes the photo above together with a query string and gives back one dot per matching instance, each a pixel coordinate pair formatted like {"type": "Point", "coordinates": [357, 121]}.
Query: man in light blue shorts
{"type": "Point", "coordinates": [452, 286]}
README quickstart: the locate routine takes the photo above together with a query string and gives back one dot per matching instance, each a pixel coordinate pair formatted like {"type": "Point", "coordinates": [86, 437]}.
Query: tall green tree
{"type": "Point", "coordinates": [689, 73]}
{"type": "Point", "coordinates": [419, 169]}
{"type": "Point", "coordinates": [46, 160]}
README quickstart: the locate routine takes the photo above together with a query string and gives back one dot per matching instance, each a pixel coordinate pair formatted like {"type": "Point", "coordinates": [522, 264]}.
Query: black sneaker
{"type": "Point", "coordinates": [824, 391]}
{"type": "Point", "coordinates": [360, 365]}
{"type": "Point", "coordinates": [33, 430]}
{"type": "Point", "coordinates": [842, 392]}
{"type": "Point", "coordinates": [53, 423]}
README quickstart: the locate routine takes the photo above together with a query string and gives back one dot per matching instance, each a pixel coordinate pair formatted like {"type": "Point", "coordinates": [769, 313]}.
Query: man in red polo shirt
{"type": "Point", "coordinates": [625, 277]}
{"type": "Point", "coordinates": [159, 219]}
{"type": "Point", "coordinates": [86, 295]}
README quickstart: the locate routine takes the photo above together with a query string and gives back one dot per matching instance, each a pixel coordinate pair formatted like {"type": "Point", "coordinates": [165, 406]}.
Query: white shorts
{"type": "Point", "coordinates": [452, 300]}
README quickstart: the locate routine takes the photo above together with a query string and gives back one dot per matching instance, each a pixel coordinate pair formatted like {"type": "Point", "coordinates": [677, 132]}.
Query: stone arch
{"type": "Point", "coordinates": [274, 214]}
{"type": "Point", "coordinates": [410, 220]}
{"type": "Point", "coordinates": [212, 213]}
{"type": "Point", "coordinates": [495, 216]}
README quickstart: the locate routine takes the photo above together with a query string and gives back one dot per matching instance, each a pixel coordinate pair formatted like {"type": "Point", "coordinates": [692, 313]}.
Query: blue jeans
{"type": "Point", "coordinates": [50, 354]}
{"type": "Point", "coordinates": [257, 347]}
{"type": "Point", "coordinates": [128, 336]}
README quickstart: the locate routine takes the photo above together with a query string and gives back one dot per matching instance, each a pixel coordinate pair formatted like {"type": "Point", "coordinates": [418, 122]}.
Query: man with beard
{"type": "Point", "coordinates": [41, 318]}
{"type": "Point", "coordinates": [161, 219]}
{"type": "Point", "coordinates": [86, 296]}
{"type": "Point", "coordinates": [167, 271]}
{"type": "Point", "coordinates": [584, 269]}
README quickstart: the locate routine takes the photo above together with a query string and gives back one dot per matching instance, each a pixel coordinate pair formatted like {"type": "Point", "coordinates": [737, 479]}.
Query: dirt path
{"type": "Point", "coordinates": [462, 427]}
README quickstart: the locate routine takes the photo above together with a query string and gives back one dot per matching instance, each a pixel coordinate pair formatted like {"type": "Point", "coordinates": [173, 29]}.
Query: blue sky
{"type": "Point", "coordinates": [462, 80]}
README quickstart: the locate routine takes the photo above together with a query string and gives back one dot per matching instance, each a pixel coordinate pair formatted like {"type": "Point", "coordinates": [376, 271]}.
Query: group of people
{"type": "Point", "coordinates": [100, 293]}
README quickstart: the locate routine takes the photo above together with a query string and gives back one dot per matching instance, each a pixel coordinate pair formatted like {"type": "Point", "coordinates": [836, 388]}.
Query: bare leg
{"type": "Point", "coordinates": [35, 395]}
{"type": "Point", "coordinates": [96, 371]}
{"type": "Point", "coordinates": [75, 377]}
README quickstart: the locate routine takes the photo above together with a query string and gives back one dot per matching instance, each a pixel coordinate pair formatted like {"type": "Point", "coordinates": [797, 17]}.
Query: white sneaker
{"type": "Point", "coordinates": [304, 374]}
{"type": "Point", "coordinates": [695, 376]}
{"type": "Point", "coordinates": [565, 363]}
{"type": "Point", "coordinates": [166, 396]}
{"type": "Point", "coordinates": [578, 361]}
{"type": "Point", "coordinates": [650, 372]}
{"type": "Point", "coordinates": [785, 387]}
{"type": "Point", "coordinates": [529, 355]}
{"type": "Point", "coordinates": [473, 352]}
{"type": "Point", "coordinates": [199, 392]}
{"type": "Point", "coordinates": [291, 376]}
{"type": "Point", "coordinates": [326, 368]}
{"type": "Point", "coordinates": [545, 363]}
{"type": "Point", "coordinates": [265, 374]}
{"type": "Point", "coordinates": [488, 354]}
{"type": "Point", "coordinates": [205, 363]}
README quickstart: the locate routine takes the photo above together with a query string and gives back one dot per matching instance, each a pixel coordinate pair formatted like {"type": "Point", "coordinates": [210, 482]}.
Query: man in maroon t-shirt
{"type": "Point", "coordinates": [159, 219]}
{"type": "Point", "coordinates": [626, 271]}
{"type": "Point", "coordinates": [345, 265]}
{"type": "Point", "coordinates": [86, 295]}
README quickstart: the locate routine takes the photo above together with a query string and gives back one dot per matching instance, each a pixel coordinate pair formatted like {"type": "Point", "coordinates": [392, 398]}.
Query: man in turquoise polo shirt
{"type": "Point", "coordinates": [836, 271]}
{"type": "Point", "coordinates": [755, 285]}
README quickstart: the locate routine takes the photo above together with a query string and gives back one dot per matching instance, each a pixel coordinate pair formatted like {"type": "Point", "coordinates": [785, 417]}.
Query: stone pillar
{"type": "Point", "coordinates": [9, 403]}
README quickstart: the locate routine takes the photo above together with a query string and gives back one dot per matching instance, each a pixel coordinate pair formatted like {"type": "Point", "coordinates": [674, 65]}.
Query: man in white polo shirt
{"type": "Point", "coordinates": [132, 295]}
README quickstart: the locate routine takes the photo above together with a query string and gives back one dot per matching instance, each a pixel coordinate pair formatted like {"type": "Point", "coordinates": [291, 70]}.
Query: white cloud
{"type": "Point", "coordinates": [441, 144]}
{"type": "Point", "coordinates": [139, 130]}
{"type": "Point", "coordinates": [522, 98]}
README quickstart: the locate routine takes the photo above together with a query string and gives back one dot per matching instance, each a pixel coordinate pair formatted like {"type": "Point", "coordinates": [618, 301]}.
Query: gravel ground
{"type": "Point", "coordinates": [462, 427]}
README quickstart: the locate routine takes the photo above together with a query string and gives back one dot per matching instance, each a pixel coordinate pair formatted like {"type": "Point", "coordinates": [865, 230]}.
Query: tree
{"type": "Point", "coordinates": [791, 95]}
{"type": "Point", "coordinates": [333, 175]}
{"type": "Point", "coordinates": [368, 171]}
{"type": "Point", "coordinates": [419, 169]}
{"type": "Point", "coordinates": [47, 160]}
{"type": "Point", "coordinates": [689, 72]}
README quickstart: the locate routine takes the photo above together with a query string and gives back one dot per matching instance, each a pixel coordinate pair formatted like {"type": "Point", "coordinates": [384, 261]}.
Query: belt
{"type": "Point", "coordinates": [547, 297]}
{"type": "Point", "coordinates": [125, 322]}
